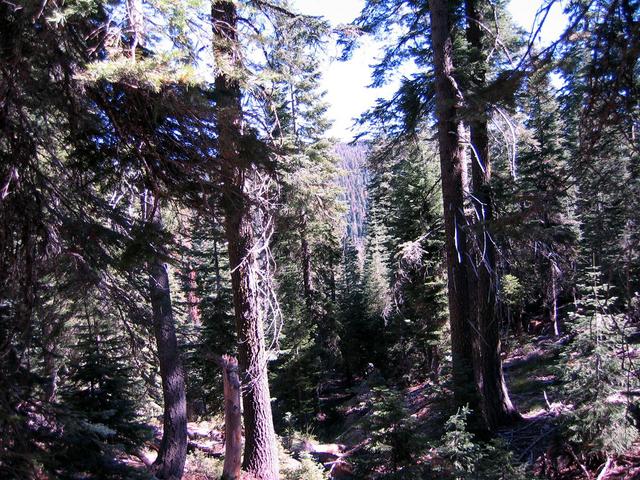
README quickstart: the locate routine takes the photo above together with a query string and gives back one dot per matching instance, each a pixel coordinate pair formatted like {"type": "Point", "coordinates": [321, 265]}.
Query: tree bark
{"type": "Point", "coordinates": [232, 419]}
{"type": "Point", "coordinates": [307, 271]}
{"type": "Point", "coordinates": [136, 25]}
{"type": "Point", "coordinates": [261, 451]}
{"type": "Point", "coordinates": [554, 300]}
{"type": "Point", "coordinates": [193, 301]}
{"type": "Point", "coordinates": [173, 448]}
{"type": "Point", "coordinates": [496, 405]}
{"type": "Point", "coordinates": [50, 352]}
{"type": "Point", "coordinates": [452, 154]}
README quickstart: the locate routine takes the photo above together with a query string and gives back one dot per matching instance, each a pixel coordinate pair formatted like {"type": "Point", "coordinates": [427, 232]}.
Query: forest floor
{"type": "Point", "coordinates": [532, 375]}
{"type": "Point", "coordinates": [347, 441]}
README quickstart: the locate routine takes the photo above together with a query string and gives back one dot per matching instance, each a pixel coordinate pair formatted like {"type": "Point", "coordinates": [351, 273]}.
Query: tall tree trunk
{"type": "Point", "coordinates": [173, 448]}
{"type": "Point", "coordinates": [554, 299]}
{"type": "Point", "coordinates": [307, 272]}
{"type": "Point", "coordinates": [169, 463]}
{"type": "Point", "coordinates": [452, 154]}
{"type": "Point", "coordinates": [193, 301]}
{"type": "Point", "coordinates": [494, 396]}
{"type": "Point", "coordinates": [261, 451]}
{"type": "Point", "coordinates": [232, 419]}
{"type": "Point", "coordinates": [51, 366]}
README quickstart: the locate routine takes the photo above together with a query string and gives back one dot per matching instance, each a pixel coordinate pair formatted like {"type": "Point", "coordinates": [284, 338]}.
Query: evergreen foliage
{"type": "Point", "coordinates": [406, 206]}
{"type": "Point", "coordinates": [100, 417]}
{"type": "Point", "coordinates": [466, 457]}
{"type": "Point", "coordinates": [594, 375]}
{"type": "Point", "coordinates": [348, 272]}
{"type": "Point", "coordinates": [395, 434]}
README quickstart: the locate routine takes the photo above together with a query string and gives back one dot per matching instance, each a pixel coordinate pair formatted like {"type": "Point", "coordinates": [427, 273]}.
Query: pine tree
{"type": "Point", "coordinates": [100, 416]}
{"type": "Point", "coordinates": [593, 371]}
{"type": "Point", "coordinates": [404, 190]}
{"type": "Point", "coordinates": [600, 96]}
{"type": "Point", "coordinates": [260, 456]}
{"type": "Point", "coordinates": [216, 335]}
{"type": "Point", "coordinates": [173, 447]}
{"type": "Point", "coordinates": [547, 238]}
{"type": "Point", "coordinates": [444, 89]}
{"type": "Point", "coordinates": [451, 134]}
{"type": "Point", "coordinates": [354, 325]}
{"type": "Point", "coordinates": [306, 242]}
{"type": "Point", "coordinates": [496, 404]}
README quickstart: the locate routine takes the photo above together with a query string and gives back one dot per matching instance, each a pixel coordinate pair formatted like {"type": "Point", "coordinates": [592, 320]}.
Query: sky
{"type": "Point", "coordinates": [347, 83]}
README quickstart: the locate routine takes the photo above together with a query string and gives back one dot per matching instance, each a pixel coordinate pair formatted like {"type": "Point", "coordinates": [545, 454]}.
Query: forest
{"type": "Point", "coordinates": [198, 281]}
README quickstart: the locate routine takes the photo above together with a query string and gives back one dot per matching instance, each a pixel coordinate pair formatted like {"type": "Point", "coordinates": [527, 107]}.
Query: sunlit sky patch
{"type": "Point", "coordinates": [347, 83]}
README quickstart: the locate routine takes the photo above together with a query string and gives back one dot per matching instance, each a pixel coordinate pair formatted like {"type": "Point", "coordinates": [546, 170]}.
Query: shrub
{"type": "Point", "coordinates": [308, 470]}
{"type": "Point", "coordinates": [593, 372]}
{"type": "Point", "coordinates": [202, 463]}
{"type": "Point", "coordinates": [465, 457]}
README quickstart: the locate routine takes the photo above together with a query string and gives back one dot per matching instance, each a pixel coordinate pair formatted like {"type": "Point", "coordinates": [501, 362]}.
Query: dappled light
{"type": "Point", "coordinates": [319, 240]}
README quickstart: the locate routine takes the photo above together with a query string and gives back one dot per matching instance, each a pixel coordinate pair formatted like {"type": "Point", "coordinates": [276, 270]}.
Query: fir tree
{"type": "Point", "coordinates": [594, 371]}
{"type": "Point", "coordinates": [100, 419]}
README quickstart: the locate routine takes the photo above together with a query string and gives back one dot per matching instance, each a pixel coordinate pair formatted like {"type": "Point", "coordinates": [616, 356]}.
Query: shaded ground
{"type": "Point", "coordinates": [345, 438]}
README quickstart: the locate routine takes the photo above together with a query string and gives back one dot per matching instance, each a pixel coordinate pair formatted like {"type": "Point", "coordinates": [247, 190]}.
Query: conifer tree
{"type": "Point", "coordinates": [451, 147]}
{"type": "Point", "coordinates": [210, 264]}
{"type": "Point", "coordinates": [260, 454]}
{"type": "Point", "coordinates": [404, 189]}
{"type": "Point", "coordinates": [99, 400]}
{"type": "Point", "coordinates": [600, 96]}
{"type": "Point", "coordinates": [545, 246]}
{"type": "Point", "coordinates": [494, 396]}
{"type": "Point", "coordinates": [443, 87]}
{"type": "Point", "coordinates": [173, 447]}
{"type": "Point", "coordinates": [307, 229]}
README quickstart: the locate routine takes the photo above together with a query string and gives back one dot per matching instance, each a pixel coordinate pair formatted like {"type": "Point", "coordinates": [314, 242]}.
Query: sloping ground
{"type": "Point", "coordinates": [532, 380]}
{"type": "Point", "coordinates": [350, 438]}
{"type": "Point", "coordinates": [535, 442]}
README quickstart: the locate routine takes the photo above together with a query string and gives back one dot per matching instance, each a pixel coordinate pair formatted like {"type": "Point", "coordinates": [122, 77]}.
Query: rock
{"type": "Point", "coordinates": [331, 448]}
{"type": "Point", "coordinates": [195, 430]}
{"type": "Point", "coordinates": [341, 470]}
{"type": "Point", "coordinates": [326, 453]}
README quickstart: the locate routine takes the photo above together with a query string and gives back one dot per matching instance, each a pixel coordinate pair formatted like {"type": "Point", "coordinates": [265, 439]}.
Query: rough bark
{"type": "Point", "coordinates": [307, 271]}
{"type": "Point", "coordinates": [554, 300]}
{"type": "Point", "coordinates": [51, 366]}
{"type": "Point", "coordinates": [193, 301]}
{"type": "Point", "coordinates": [136, 25]}
{"type": "Point", "coordinates": [496, 405]}
{"type": "Point", "coordinates": [173, 448]}
{"type": "Point", "coordinates": [261, 453]}
{"type": "Point", "coordinates": [232, 419]}
{"type": "Point", "coordinates": [452, 153]}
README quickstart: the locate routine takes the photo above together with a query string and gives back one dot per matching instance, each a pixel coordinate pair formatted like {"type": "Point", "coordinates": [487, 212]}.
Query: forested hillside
{"type": "Point", "coordinates": [197, 281]}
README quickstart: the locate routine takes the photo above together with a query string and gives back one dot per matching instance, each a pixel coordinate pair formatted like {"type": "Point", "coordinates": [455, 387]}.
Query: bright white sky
{"type": "Point", "coordinates": [347, 83]}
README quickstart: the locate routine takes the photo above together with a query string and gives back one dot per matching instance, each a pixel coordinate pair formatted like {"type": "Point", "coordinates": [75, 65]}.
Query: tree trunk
{"type": "Point", "coordinates": [307, 272]}
{"type": "Point", "coordinates": [450, 139]}
{"type": "Point", "coordinates": [50, 352]}
{"type": "Point", "coordinates": [173, 448]}
{"type": "Point", "coordinates": [261, 451]}
{"type": "Point", "coordinates": [193, 300]}
{"type": "Point", "coordinates": [494, 396]}
{"type": "Point", "coordinates": [554, 300]}
{"type": "Point", "coordinates": [136, 25]}
{"type": "Point", "coordinates": [232, 419]}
